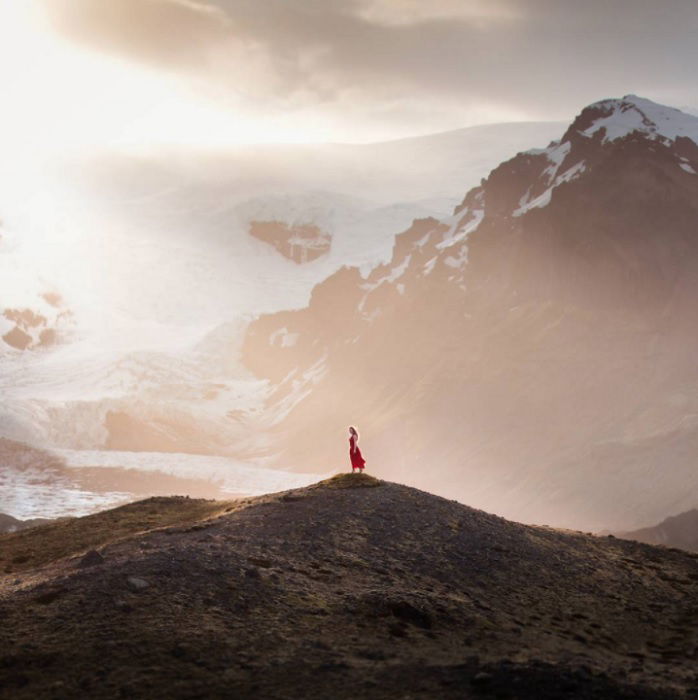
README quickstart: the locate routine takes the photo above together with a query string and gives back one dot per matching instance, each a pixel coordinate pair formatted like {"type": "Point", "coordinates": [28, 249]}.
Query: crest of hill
{"type": "Point", "coordinates": [353, 587]}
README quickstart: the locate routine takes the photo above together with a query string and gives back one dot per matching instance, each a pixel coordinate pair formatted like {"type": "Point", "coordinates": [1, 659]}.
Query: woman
{"type": "Point", "coordinates": [357, 461]}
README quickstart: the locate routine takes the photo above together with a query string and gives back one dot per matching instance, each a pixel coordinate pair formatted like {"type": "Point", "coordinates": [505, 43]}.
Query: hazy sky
{"type": "Point", "coordinates": [209, 71]}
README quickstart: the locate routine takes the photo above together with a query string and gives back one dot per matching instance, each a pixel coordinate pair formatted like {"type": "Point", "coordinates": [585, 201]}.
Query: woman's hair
{"type": "Point", "coordinates": [352, 430]}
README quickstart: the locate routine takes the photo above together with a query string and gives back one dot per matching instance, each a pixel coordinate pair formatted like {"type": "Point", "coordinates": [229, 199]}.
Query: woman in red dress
{"type": "Point", "coordinates": [357, 461]}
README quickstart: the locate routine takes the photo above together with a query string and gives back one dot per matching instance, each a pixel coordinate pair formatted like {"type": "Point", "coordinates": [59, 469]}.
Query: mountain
{"type": "Point", "coordinates": [151, 254]}
{"type": "Point", "coordinates": [677, 531]}
{"type": "Point", "coordinates": [10, 524]}
{"type": "Point", "coordinates": [533, 353]}
{"type": "Point", "coordinates": [350, 588]}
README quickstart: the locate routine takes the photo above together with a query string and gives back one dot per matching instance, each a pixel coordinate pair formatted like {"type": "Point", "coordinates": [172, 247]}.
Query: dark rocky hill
{"type": "Point", "coordinates": [350, 588]}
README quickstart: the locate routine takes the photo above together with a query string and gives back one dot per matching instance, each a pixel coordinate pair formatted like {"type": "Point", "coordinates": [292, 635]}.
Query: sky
{"type": "Point", "coordinates": [96, 73]}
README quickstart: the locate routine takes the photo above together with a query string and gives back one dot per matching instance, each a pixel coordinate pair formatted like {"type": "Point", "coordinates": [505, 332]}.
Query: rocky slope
{"type": "Point", "coordinates": [537, 346]}
{"type": "Point", "coordinates": [350, 588]}
{"type": "Point", "coordinates": [678, 531]}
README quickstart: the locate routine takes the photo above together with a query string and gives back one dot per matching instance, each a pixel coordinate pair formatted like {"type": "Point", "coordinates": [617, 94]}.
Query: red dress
{"type": "Point", "coordinates": [357, 461]}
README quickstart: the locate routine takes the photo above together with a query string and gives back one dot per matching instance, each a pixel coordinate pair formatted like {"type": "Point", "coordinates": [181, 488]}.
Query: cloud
{"type": "Point", "coordinates": [174, 34]}
{"type": "Point", "coordinates": [525, 58]}
{"type": "Point", "coordinates": [405, 12]}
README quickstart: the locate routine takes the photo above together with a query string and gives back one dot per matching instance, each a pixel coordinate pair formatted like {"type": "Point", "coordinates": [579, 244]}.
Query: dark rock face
{"type": "Point", "coordinates": [533, 355]}
{"type": "Point", "coordinates": [345, 592]}
{"type": "Point", "coordinates": [301, 243]}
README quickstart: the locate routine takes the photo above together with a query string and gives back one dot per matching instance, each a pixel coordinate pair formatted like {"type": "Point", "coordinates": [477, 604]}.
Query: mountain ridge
{"type": "Point", "coordinates": [675, 531]}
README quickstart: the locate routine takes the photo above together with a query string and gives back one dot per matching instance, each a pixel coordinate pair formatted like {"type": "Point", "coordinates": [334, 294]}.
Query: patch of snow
{"type": "Point", "coordinates": [394, 274]}
{"type": "Point", "coordinates": [543, 199]}
{"type": "Point", "coordinates": [301, 386]}
{"type": "Point", "coordinates": [556, 155]}
{"type": "Point", "coordinates": [283, 338]}
{"type": "Point", "coordinates": [461, 230]}
{"type": "Point", "coordinates": [423, 240]}
{"type": "Point", "coordinates": [633, 113]}
{"type": "Point", "coordinates": [538, 151]}
{"type": "Point", "coordinates": [687, 168]}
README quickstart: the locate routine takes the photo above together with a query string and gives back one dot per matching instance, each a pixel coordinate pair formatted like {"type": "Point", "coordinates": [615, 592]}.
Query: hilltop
{"type": "Point", "coordinates": [353, 587]}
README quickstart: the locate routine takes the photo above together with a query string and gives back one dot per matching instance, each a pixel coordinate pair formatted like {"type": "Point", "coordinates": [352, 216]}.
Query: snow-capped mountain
{"type": "Point", "coordinates": [152, 258]}
{"type": "Point", "coordinates": [533, 353]}
{"type": "Point", "coordinates": [143, 272]}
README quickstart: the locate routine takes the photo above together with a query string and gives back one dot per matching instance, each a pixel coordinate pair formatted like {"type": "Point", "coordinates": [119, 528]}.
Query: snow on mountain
{"type": "Point", "coordinates": [533, 352]}
{"type": "Point", "coordinates": [631, 114]}
{"type": "Point", "coordinates": [157, 277]}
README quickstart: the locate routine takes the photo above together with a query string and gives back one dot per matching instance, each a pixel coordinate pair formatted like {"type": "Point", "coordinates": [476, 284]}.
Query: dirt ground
{"type": "Point", "coordinates": [352, 588]}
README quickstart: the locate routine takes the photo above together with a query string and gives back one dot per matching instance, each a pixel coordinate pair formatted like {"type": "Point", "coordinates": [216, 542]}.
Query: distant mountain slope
{"type": "Point", "coordinates": [678, 531]}
{"type": "Point", "coordinates": [534, 353]}
{"type": "Point", "coordinates": [350, 588]}
{"type": "Point", "coordinates": [152, 256]}
{"type": "Point", "coordinates": [10, 524]}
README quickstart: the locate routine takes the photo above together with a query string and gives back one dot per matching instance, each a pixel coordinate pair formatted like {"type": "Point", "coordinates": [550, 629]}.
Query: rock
{"type": "Point", "coordinates": [91, 558]}
{"type": "Point", "coordinates": [137, 584]}
{"type": "Point", "coordinates": [301, 243]}
{"type": "Point", "coordinates": [406, 612]}
{"type": "Point", "coordinates": [482, 678]}
{"type": "Point", "coordinates": [18, 339]}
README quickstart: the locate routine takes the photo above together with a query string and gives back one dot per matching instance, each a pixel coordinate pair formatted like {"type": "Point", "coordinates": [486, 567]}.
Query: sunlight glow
{"type": "Point", "coordinates": [58, 98]}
